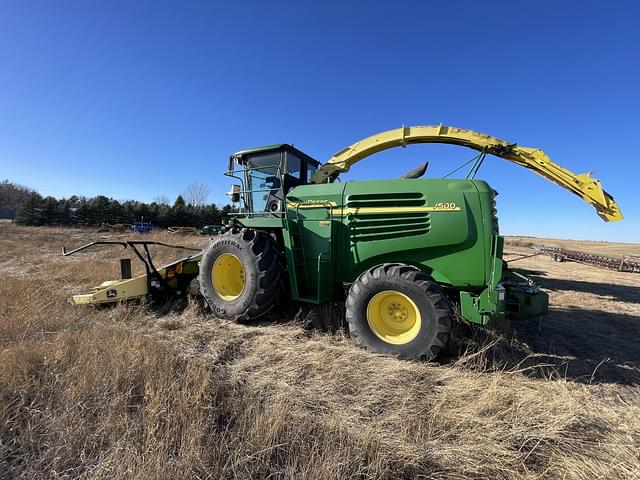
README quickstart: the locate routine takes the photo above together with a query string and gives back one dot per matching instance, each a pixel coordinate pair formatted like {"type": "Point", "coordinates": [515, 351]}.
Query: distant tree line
{"type": "Point", "coordinates": [27, 207]}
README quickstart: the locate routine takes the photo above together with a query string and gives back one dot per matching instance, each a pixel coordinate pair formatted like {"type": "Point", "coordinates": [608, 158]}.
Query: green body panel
{"type": "Point", "coordinates": [451, 245]}
{"type": "Point", "coordinates": [262, 222]}
{"type": "Point", "coordinates": [315, 227]}
{"type": "Point", "coordinates": [442, 226]}
{"type": "Point", "coordinates": [481, 309]}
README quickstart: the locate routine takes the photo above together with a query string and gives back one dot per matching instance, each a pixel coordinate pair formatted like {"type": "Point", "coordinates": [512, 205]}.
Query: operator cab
{"type": "Point", "coordinates": [267, 174]}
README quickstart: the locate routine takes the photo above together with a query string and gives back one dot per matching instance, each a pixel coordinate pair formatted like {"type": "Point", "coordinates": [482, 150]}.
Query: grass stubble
{"type": "Point", "coordinates": [127, 393]}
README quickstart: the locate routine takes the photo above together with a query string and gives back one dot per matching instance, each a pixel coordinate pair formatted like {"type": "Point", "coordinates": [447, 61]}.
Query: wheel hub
{"type": "Point", "coordinates": [393, 317]}
{"type": "Point", "coordinates": [398, 312]}
{"type": "Point", "coordinates": [227, 276]}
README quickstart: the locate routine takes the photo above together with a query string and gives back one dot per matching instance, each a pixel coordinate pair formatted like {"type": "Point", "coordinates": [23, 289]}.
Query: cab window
{"type": "Point", "coordinates": [311, 170]}
{"type": "Point", "coordinates": [294, 165]}
{"type": "Point", "coordinates": [264, 176]}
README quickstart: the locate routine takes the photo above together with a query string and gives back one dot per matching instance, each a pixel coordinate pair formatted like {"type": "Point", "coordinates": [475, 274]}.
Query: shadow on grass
{"type": "Point", "coordinates": [591, 346]}
{"type": "Point", "coordinates": [579, 345]}
{"type": "Point", "coordinates": [624, 293]}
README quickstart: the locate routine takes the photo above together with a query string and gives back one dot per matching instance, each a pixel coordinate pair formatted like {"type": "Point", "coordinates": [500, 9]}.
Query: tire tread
{"type": "Point", "coordinates": [432, 291]}
{"type": "Point", "coordinates": [269, 267]}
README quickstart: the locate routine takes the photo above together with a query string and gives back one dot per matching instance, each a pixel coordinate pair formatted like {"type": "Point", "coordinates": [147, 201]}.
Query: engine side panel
{"type": "Point", "coordinates": [434, 224]}
{"type": "Point", "coordinates": [442, 226]}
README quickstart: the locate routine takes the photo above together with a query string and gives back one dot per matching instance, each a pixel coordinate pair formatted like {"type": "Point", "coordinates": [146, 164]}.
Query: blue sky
{"type": "Point", "coordinates": [139, 99]}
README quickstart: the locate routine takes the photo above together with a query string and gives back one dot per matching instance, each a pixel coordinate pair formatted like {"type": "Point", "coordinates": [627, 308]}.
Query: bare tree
{"type": "Point", "coordinates": [12, 196]}
{"type": "Point", "coordinates": [161, 200]}
{"type": "Point", "coordinates": [196, 194]}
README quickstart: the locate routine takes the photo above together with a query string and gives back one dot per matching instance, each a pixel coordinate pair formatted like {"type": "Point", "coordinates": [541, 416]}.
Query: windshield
{"type": "Point", "coordinates": [264, 178]}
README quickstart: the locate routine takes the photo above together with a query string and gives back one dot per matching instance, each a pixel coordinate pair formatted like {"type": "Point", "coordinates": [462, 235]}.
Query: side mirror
{"type": "Point", "coordinates": [233, 161]}
{"type": "Point", "coordinates": [234, 193]}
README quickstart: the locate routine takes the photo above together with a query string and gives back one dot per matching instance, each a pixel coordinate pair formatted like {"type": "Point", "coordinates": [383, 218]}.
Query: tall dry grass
{"type": "Point", "coordinates": [127, 393]}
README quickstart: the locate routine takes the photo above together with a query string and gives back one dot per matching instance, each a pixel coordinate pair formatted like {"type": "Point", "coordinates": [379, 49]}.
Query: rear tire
{"type": "Point", "coordinates": [241, 274]}
{"type": "Point", "coordinates": [398, 309]}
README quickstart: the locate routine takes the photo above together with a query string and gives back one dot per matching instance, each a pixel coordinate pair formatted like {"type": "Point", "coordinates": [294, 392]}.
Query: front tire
{"type": "Point", "coordinates": [398, 309]}
{"type": "Point", "coordinates": [241, 274]}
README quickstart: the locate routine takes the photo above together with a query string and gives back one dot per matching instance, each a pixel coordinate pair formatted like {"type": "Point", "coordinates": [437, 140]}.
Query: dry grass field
{"type": "Point", "coordinates": [631, 250]}
{"type": "Point", "coordinates": [127, 393]}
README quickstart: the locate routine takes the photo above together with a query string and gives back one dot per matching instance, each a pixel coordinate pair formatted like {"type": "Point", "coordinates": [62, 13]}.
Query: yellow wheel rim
{"type": "Point", "coordinates": [393, 317]}
{"type": "Point", "coordinates": [227, 276]}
